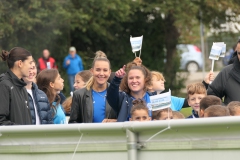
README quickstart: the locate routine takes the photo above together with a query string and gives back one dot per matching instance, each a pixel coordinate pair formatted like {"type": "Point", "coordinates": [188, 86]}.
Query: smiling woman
{"type": "Point", "coordinates": [89, 104]}
{"type": "Point", "coordinates": [134, 83]}
{"type": "Point", "coordinates": [38, 100]}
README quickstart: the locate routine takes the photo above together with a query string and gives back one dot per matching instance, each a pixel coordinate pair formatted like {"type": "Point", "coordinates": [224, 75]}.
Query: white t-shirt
{"type": "Point", "coordinates": [35, 108]}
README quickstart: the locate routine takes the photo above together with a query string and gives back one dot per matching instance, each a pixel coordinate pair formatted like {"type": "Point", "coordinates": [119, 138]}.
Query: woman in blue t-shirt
{"type": "Point", "coordinates": [50, 81]}
{"type": "Point", "coordinates": [89, 104]}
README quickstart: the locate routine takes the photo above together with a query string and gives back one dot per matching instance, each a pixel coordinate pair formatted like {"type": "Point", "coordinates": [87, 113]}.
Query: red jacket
{"type": "Point", "coordinates": [42, 63]}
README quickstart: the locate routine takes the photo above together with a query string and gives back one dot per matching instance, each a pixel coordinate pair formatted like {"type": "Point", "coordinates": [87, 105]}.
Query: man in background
{"type": "Point", "coordinates": [46, 62]}
{"type": "Point", "coordinates": [73, 64]}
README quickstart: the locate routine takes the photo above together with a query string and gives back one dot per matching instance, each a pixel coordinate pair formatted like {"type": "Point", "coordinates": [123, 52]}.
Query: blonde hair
{"type": "Point", "coordinates": [99, 56]}
{"type": "Point", "coordinates": [158, 75]}
{"type": "Point", "coordinates": [196, 88]}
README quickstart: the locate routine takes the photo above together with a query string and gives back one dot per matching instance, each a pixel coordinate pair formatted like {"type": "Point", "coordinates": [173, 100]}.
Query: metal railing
{"type": "Point", "coordinates": [206, 138]}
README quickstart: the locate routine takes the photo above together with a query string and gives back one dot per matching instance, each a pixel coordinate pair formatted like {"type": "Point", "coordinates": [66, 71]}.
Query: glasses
{"type": "Point", "coordinates": [238, 53]}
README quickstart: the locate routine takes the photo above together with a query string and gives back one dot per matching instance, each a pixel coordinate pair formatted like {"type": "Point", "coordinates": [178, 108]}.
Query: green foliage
{"type": "Point", "coordinates": [107, 25]}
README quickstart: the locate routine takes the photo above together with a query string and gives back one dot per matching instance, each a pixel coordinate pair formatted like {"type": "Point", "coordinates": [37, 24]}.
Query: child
{"type": "Point", "coordinates": [81, 79]}
{"type": "Point", "coordinates": [234, 108]}
{"type": "Point", "coordinates": [157, 86]}
{"type": "Point", "coordinates": [163, 114]}
{"type": "Point", "coordinates": [178, 115]}
{"type": "Point", "coordinates": [50, 82]}
{"type": "Point", "coordinates": [216, 111]}
{"type": "Point", "coordinates": [207, 101]}
{"type": "Point", "coordinates": [195, 93]}
{"type": "Point", "coordinates": [139, 111]}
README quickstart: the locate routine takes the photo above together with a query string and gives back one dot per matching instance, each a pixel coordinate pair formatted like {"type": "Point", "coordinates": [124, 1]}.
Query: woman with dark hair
{"type": "Point", "coordinates": [50, 82]}
{"type": "Point", "coordinates": [14, 108]}
{"type": "Point", "coordinates": [227, 82]}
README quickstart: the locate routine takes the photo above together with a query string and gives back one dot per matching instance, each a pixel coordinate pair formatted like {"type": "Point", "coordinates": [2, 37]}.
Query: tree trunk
{"type": "Point", "coordinates": [171, 41]}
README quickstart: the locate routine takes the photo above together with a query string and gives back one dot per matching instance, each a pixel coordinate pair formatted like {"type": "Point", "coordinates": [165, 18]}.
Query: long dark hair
{"type": "Point", "coordinates": [43, 82]}
{"type": "Point", "coordinates": [15, 54]}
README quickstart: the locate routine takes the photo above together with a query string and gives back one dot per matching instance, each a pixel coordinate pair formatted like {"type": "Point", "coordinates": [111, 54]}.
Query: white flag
{"type": "Point", "coordinates": [136, 43]}
{"type": "Point", "coordinates": [161, 101]}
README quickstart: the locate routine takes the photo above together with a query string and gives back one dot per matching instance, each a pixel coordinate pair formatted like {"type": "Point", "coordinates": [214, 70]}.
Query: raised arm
{"type": "Point", "coordinates": [113, 90]}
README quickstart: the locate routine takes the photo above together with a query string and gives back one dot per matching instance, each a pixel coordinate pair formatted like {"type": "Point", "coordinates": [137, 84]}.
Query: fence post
{"type": "Point", "coordinates": [131, 144]}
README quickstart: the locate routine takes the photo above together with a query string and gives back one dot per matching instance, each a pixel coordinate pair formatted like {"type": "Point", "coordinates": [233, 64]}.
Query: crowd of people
{"type": "Point", "coordinates": [31, 91]}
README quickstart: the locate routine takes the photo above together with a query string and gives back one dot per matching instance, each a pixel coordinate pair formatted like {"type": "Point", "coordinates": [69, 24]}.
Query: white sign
{"type": "Point", "coordinates": [223, 46]}
{"type": "Point", "coordinates": [215, 52]}
{"type": "Point", "coordinates": [136, 43]}
{"type": "Point", "coordinates": [161, 101]}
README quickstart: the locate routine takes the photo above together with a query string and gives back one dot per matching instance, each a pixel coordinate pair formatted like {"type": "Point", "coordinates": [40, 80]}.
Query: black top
{"type": "Point", "coordinates": [14, 100]}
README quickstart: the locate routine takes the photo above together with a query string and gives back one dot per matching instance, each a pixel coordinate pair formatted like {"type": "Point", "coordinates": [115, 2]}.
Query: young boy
{"type": "Point", "coordinates": [195, 93]}
{"type": "Point", "coordinates": [163, 114]}
{"type": "Point", "coordinates": [216, 111]}
{"type": "Point", "coordinates": [139, 111]}
{"type": "Point", "coordinates": [208, 101]}
{"type": "Point", "coordinates": [234, 108]}
{"type": "Point", "coordinates": [158, 86]}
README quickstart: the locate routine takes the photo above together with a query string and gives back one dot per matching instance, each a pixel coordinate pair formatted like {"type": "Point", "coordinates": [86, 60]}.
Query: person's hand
{"type": "Point", "coordinates": [138, 61]}
{"type": "Point", "coordinates": [209, 77]}
{"type": "Point", "coordinates": [121, 72]}
{"type": "Point", "coordinates": [109, 120]}
{"type": "Point", "coordinates": [68, 62]}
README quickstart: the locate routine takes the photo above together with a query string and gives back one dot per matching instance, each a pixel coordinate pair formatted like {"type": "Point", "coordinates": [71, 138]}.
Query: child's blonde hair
{"type": "Point", "coordinates": [196, 88]}
{"type": "Point", "coordinates": [158, 75]}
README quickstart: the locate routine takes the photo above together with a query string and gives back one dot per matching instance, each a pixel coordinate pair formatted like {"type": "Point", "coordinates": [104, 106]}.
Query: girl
{"type": "Point", "coordinates": [139, 111]}
{"type": "Point", "coordinates": [89, 104]}
{"type": "Point", "coordinates": [38, 100]}
{"type": "Point", "coordinates": [81, 79]}
{"type": "Point", "coordinates": [134, 85]}
{"type": "Point", "coordinates": [50, 82]}
{"type": "Point", "coordinates": [14, 99]}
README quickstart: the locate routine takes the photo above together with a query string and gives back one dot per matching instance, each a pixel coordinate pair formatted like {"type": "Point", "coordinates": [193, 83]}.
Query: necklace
{"type": "Point", "coordinates": [103, 96]}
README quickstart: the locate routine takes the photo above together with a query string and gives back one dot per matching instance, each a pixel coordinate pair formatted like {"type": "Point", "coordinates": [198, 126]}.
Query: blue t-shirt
{"type": "Point", "coordinates": [59, 117]}
{"type": "Point", "coordinates": [99, 105]}
{"type": "Point", "coordinates": [177, 103]}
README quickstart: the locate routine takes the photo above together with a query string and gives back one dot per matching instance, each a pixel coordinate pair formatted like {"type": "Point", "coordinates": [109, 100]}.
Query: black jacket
{"type": "Point", "coordinates": [226, 84]}
{"type": "Point", "coordinates": [82, 107]}
{"type": "Point", "coordinates": [43, 107]}
{"type": "Point", "coordinates": [14, 101]}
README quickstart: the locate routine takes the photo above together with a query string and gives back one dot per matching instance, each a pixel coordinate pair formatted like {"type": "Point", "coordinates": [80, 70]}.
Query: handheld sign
{"type": "Point", "coordinates": [223, 46]}
{"type": "Point", "coordinates": [161, 101]}
{"type": "Point", "coordinates": [136, 43]}
{"type": "Point", "coordinates": [216, 50]}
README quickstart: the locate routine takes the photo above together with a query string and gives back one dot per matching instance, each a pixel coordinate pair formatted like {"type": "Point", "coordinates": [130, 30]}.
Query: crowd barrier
{"type": "Point", "coordinates": [187, 139]}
